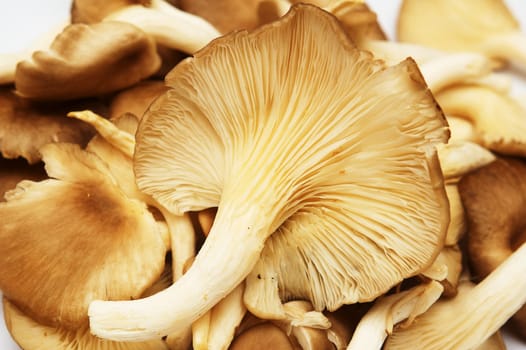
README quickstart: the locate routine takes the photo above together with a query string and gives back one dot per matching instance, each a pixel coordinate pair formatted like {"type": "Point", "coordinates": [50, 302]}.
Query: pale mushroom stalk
{"type": "Point", "coordinates": [236, 150]}
{"type": "Point", "coordinates": [168, 25]}
{"type": "Point", "coordinates": [471, 317]}
{"type": "Point", "coordinates": [182, 240]}
{"type": "Point", "coordinates": [388, 311]}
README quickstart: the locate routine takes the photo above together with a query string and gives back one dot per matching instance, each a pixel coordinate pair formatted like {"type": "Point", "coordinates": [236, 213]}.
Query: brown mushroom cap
{"type": "Point", "coordinates": [12, 171]}
{"type": "Point", "coordinates": [75, 238]}
{"type": "Point", "coordinates": [136, 99]}
{"type": "Point", "coordinates": [494, 198]}
{"type": "Point", "coordinates": [88, 60]}
{"type": "Point", "coordinates": [25, 126]}
{"type": "Point", "coordinates": [262, 337]}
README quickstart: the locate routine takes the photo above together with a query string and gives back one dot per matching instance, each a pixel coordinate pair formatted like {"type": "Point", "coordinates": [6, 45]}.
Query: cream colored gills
{"type": "Point", "coordinates": [222, 136]}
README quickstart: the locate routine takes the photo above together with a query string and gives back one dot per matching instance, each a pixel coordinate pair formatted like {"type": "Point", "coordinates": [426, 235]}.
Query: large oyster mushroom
{"type": "Point", "coordinates": [290, 126]}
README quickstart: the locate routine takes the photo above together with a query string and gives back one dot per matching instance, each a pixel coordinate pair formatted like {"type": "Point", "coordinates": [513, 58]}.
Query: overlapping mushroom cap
{"type": "Point", "coordinates": [290, 127]}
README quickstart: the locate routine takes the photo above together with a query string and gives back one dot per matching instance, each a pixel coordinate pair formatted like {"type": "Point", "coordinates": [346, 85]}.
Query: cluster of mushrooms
{"type": "Point", "coordinates": [265, 174]}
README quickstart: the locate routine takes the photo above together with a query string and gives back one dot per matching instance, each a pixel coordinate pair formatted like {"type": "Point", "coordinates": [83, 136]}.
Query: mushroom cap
{"type": "Point", "coordinates": [30, 335]}
{"type": "Point", "coordinates": [494, 198]}
{"type": "Point", "coordinates": [263, 336]}
{"type": "Point", "coordinates": [12, 171]}
{"type": "Point", "coordinates": [136, 99]}
{"type": "Point", "coordinates": [92, 11]}
{"type": "Point", "coordinates": [25, 126]}
{"type": "Point", "coordinates": [225, 15]}
{"type": "Point", "coordinates": [326, 162]}
{"type": "Point", "coordinates": [497, 118]}
{"type": "Point", "coordinates": [453, 25]}
{"type": "Point", "coordinates": [88, 60]}
{"type": "Point", "coordinates": [75, 238]}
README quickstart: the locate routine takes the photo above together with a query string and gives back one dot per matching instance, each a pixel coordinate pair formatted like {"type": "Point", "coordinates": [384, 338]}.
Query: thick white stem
{"type": "Point", "coordinates": [227, 256]}
{"type": "Point", "coordinates": [175, 29]}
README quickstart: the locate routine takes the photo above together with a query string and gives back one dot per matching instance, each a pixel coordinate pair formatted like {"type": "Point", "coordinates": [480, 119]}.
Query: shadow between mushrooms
{"type": "Point", "coordinates": [290, 128]}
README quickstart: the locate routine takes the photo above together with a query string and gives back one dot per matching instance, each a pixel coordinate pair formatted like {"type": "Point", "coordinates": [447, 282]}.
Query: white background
{"type": "Point", "coordinates": [22, 20]}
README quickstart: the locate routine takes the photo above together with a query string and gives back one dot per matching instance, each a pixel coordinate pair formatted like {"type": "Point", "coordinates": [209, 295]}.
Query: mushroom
{"type": "Point", "coordinates": [30, 335]}
{"type": "Point", "coordinates": [262, 337]}
{"type": "Point", "coordinates": [12, 171]}
{"type": "Point", "coordinates": [446, 269]}
{"type": "Point", "coordinates": [475, 314]}
{"type": "Point", "coordinates": [497, 118]}
{"type": "Point", "coordinates": [88, 60]}
{"type": "Point", "coordinates": [168, 25]}
{"type": "Point", "coordinates": [274, 154]}
{"type": "Point", "coordinates": [460, 157]}
{"type": "Point", "coordinates": [228, 15]}
{"type": "Point", "coordinates": [390, 310]}
{"type": "Point", "coordinates": [136, 99]}
{"type": "Point", "coordinates": [494, 198]}
{"type": "Point", "coordinates": [485, 26]}
{"type": "Point", "coordinates": [457, 222]}
{"type": "Point", "coordinates": [25, 126]}
{"type": "Point", "coordinates": [52, 267]}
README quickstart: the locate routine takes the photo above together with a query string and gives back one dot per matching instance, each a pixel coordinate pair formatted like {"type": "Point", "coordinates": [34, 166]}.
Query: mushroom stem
{"type": "Point", "coordinates": [509, 45]}
{"type": "Point", "coordinates": [168, 25]}
{"type": "Point", "coordinates": [387, 311]}
{"type": "Point", "coordinates": [182, 240]}
{"type": "Point", "coordinates": [471, 317]}
{"type": "Point", "coordinates": [229, 253]}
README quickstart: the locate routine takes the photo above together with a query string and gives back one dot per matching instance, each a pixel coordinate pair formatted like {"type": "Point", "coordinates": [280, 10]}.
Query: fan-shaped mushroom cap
{"type": "Point", "coordinates": [494, 197]}
{"type": "Point", "coordinates": [88, 60]}
{"type": "Point", "coordinates": [25, 126]}
{"type": "Point", "coordinates": [75, 238]}
{"type": "Point", "coordinates": [486, 26]}
{"type": "Point", "coordinates": [497, 118]}
{"type": "Point", "coordinates": [264, 336]}
{"type": "Point", "coordinates": [290, 127]}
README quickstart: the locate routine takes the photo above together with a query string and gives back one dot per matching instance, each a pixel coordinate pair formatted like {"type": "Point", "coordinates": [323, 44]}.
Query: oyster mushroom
{"type": "Point", "coordinates": [497, 118]}
{"type": "Point", "coordinates": [136, 99]}
{"type": "Point", "coordinates": [25, 125]}
{"type": "Point", "coordinates": [168, 25]}
{"type": "Point", "coordinates": [473, 315]}
{"type": "Point", "coordinates": [276, 154]}
{"type": "Point", "coordinates": [40, 269]}
{"type": "Point", "coordinates": [12, 171]}
{"type": "Point", "coordinates": [88, 60]}
{"type": "Point", "coordinates": [495, 197]}
{"type": "Point", "coordinates": [485, 26]}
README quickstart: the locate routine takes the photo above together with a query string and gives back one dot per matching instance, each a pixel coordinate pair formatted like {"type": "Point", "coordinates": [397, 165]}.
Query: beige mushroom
{"type": "Point", "coordinates": [51, 267]}
{"type": "Point", "coordinates": [12, 171]}
{"type": "Point", "coordinates": [168, 25]}
{"type": "Point", "coordinates": [88, 60]}
{"type": "Point", "coordinates": [262, 337]}
{"type": "Point", "coordinates": [498, 119]}
{"type": "Point", "coordinates": [485, 26]}
{"type": "Point", "coordinates": [473, 315]}
{"type": "Point", "coordinates": [265, 175]}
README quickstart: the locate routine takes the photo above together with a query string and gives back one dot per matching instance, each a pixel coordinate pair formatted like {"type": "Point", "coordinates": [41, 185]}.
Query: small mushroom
{"type": "Point", "coordinates": [73, 238]}
{"type": "Point", "coordinates": [460, 157]}
{"type": "Point", "coordinates": [262, 337]}
{"type": "Point", "coordinates": [473, 315]}
{"type": "Point", "coordinates": [495, 199]}
{"type": "Point", "coordinates": [168, 25]}
{"type": "Point", "coordinates": [276, 155]}
{"type": "Point", "coordinates": [390, 310]}
{"type": "Point", "coordinates": [25, 125]}
{"type": "Point", "coordinates": [88, 60]}
{"type": "Point", "coordinates": [485, 26]}
{"type": "Point", "coordinates": [447, 269]}
{"type": "Point", "coordinates": [498, 120]}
